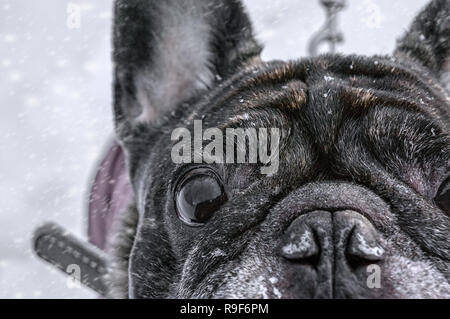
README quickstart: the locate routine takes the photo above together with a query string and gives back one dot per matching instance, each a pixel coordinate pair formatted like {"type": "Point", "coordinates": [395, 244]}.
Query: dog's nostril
{"type": "Point", "coordinates": [363, 246]}
{"type": "Point", "coordinates": [342, 236]}
{"type": "Point", "coordinates": [299, 242]}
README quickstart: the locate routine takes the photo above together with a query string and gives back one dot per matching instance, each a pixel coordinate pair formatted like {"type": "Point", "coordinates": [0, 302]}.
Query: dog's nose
{"type": "Point", "coordinates": [300, 242]}
{"type": "Point", "coordinates": [342, 236]}
{"type": "Point", "coordinates": [357, 238]}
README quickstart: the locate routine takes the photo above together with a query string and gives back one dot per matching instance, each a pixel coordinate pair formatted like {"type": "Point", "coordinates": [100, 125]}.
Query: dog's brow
{"type": "Point", "coordinates": [276, 84]}
{"type": "Point", "coordinates": [277, 74]}
{"type": "Point", "coordinates": [364, 98]}
{"type": "Point", "coordinates": [291, 96]}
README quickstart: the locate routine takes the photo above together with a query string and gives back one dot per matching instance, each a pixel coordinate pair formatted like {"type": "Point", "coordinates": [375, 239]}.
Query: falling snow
{"type": "Point", "coordinates": [55, 109]}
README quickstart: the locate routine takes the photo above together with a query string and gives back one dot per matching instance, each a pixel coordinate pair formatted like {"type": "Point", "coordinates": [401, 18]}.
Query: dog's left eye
{"type": "Point", "coordinates": [442, 198]}
{"type": "Point", "coordinates": [199, 194]}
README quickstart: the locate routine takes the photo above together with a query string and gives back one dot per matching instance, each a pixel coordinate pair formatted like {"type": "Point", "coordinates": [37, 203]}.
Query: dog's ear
{"type": "Point", "coordinates": [167, 51]}
{"type": "Point", "coordinates": [427, 43]}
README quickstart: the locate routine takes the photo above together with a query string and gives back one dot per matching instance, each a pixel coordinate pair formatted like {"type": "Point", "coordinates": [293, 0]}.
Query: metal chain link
{"type": "Point", "coordinates": [329, 33]}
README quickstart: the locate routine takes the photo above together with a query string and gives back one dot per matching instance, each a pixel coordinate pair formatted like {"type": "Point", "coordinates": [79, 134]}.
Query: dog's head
{"type": "Point", "coordinates": [353, 202]}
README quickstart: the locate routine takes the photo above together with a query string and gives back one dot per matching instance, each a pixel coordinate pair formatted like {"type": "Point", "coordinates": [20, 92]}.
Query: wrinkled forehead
{"type": "Point", "coordinates": [319, 93]}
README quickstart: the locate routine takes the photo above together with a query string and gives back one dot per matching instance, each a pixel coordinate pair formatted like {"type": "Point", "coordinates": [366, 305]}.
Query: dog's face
{"type": "Point", "coordinates": [359, 205]}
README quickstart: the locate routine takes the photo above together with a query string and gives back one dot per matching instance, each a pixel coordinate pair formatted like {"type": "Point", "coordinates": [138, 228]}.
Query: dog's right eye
{"type": "Point", "coordinates": [199, 194]}
{"type": "Point", "coordinates": [443, 196]}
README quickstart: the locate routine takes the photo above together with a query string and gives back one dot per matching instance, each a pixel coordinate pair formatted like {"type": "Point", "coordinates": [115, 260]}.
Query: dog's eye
{"type": "Point", "coordinates": [199, 194]}
{"type": "Point", "coordinates": [442, 198]}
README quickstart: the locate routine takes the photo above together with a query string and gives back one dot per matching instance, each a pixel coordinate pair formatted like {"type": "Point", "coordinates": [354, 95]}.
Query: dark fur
{"type": "Point", "coordinates": [352, 127]}
{"type": "Point", "coordinates": [122, 243]}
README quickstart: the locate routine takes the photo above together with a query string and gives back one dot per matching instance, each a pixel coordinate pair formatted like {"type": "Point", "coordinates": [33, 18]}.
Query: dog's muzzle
{"type": "Point", "coordinates": [313, 236]}
{"type": "Point", "coordinates": [331, 241]}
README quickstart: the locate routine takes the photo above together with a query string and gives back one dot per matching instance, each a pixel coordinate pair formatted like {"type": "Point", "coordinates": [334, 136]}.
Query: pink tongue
{"type": "Point", "coordinates": [110, 194]}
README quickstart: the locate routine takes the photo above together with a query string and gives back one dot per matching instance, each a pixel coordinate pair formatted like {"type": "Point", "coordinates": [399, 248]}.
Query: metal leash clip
{"type": "Point", "coordinates": [329, 33]}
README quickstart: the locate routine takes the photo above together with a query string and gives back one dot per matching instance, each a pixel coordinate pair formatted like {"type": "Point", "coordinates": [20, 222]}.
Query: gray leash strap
{"type": "Point", "coordinates": [82, 261]}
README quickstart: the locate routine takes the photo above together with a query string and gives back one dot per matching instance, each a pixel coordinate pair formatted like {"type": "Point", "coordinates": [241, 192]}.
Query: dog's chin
{"type": "Point", "coordinates": [402, 279]}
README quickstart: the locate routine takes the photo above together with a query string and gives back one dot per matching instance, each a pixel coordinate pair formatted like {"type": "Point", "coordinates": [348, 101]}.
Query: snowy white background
{"type": "Point", "coordinates": [55, 101]}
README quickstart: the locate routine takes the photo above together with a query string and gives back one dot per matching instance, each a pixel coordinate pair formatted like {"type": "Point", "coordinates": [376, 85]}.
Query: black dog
{"type": "Point", "coordinates": [359, 206]}
{"type": "Point", "coordinates": [362, 183]}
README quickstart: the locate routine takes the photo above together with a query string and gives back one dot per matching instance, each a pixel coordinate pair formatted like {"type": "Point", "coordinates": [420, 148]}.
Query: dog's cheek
{"type": "Point", "coordinates": [252, 276]}
{"type": "Point", "coordinates": [407, 278]}
{"type": "Point", "coordinates": [257, 273]}
{"type": "Point", "coordinates": [152, 263]}
{"type": "Point", "coordinates": [408, 272]}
